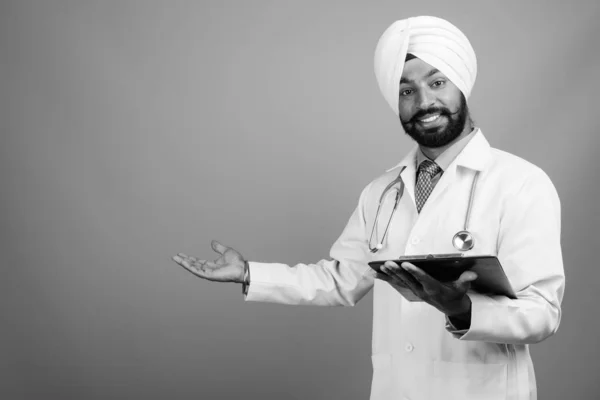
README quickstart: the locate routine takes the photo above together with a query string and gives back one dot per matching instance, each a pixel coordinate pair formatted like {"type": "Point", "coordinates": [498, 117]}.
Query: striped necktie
{"type": "Point", "coordinates": [427, 170]}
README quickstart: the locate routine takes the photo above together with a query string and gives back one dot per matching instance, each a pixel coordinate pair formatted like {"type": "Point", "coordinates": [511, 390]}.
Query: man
{"type": "Point", "coordinates": [456, 343]}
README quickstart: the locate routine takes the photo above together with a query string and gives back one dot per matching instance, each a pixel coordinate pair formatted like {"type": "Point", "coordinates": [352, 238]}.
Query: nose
{"type": "Point", "coordinates": [425, 99]}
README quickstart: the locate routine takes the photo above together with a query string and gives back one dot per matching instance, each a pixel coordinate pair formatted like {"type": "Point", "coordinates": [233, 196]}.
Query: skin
{"type": "Point", "coordinates": [228, 267]}
{"type": "Point", "coordinates": [423, 89]}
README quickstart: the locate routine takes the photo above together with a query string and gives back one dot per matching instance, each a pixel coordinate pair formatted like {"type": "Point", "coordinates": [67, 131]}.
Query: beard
{"type": "Point", "coordinates": [441, 135]}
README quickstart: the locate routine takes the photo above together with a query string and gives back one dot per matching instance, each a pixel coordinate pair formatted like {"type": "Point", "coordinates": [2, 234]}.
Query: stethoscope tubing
{"type": "Point", "coordinates": [470, 206]}
{"type": "Point", "coordinates": [399, 194]}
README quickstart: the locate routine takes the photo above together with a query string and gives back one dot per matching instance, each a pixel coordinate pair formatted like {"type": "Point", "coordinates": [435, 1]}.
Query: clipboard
{"type": "Point", "coordinates": [491, 279]}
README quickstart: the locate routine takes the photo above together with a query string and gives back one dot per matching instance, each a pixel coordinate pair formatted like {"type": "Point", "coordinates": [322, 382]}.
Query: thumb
{"type": "Point", "coordinates": [218, 247]}
{"type": "Point", "coordinates": [464, 281]}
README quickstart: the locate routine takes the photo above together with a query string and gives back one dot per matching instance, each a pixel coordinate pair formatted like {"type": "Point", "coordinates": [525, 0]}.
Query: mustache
{"type": "Point", "coordinates": [432, 110]}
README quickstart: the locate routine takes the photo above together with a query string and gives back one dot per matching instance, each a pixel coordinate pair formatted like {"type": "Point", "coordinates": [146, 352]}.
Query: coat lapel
{"type": "Point", "coordinates": [474, 156]}
{"type": "Point", "coordinates": [409, 174]}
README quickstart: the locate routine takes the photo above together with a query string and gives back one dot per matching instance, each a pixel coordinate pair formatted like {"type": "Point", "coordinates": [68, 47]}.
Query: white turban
{"type": "Point", "coordinates": [433, 40]}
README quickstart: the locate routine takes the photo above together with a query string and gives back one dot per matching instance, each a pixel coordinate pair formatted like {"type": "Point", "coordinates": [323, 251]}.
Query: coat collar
{"type": "Point", "coordinates": [476, 153]}
{"type": "Point", "coordinates": [474, 156]}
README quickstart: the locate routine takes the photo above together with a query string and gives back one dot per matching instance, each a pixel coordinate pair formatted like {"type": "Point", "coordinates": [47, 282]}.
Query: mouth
{"type": "Point", "coordinates": [430, 120]}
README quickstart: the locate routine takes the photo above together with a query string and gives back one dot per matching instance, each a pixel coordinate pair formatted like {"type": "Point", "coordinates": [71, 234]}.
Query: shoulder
{"type": "Point", "coordinates": [510, 162]}
{"type": "Point", "coordinates": [374, 189]}
{"type": "Point", "coordinates": [385, 178]}
{"type": "Point", "coordinates": [515, 174]}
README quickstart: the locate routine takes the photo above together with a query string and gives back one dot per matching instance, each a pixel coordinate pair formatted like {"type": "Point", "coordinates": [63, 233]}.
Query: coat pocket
{"type": "Point", "coordinates": [382, 386]}
{"type": "Point", "coordinates": [463, 381]}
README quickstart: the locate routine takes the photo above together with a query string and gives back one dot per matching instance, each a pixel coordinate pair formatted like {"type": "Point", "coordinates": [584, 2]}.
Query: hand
{"type": "Point", "coordinates": [229, 267]}
{"type": "Point", "coordinates": [450, 298]}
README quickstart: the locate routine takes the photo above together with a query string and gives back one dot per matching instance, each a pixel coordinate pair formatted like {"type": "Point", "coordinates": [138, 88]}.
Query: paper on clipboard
{"type": "Point", "coordinates": [491, 278]}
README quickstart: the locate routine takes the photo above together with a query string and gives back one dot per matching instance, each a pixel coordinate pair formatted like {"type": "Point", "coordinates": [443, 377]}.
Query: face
{"type": "Point", "coordinates": [433, 111]}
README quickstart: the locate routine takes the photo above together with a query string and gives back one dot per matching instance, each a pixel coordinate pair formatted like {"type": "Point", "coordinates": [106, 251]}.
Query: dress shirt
{"type": "Point", "coordinates": [445, 159]}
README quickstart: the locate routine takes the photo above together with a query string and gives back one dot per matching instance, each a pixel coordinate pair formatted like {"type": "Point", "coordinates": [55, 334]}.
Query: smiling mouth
{"type": "Point", "coordinates": [431, 118]}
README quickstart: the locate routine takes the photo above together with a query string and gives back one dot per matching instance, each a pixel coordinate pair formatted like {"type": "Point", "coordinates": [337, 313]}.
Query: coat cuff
{"type": "Point", "coordinates": [486, 315]}
{"type": "Point", "coordinates": [264, 278]}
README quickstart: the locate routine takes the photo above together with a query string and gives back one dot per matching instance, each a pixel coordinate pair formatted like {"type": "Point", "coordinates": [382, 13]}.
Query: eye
{"type": "Point", "coordinates": [438, 83]}
{"type": "Point", "coordinates": [405, 92]}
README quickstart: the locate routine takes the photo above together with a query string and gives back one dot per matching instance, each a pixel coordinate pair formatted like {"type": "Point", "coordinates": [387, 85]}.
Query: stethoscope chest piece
{"type": "Point", "coordinates": [463, 241]}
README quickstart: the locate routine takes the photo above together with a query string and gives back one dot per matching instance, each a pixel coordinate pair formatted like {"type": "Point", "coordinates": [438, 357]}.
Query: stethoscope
{"type": "Point", "coordinates": [462, 240]}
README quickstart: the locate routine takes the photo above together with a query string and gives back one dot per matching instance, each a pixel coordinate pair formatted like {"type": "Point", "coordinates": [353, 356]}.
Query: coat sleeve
{"type": "Point", "coordinates": [341, 281]}
{"type": "Point", "coordinates": [530, 252]}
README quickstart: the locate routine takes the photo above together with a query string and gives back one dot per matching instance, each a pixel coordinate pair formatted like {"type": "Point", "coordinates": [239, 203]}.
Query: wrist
{"type": "Point", "coordinates": [246, 278]}
{"type": "Point", "coordinates": [461, 319]}
{"type": "Point", "coordinates": [462, 309]}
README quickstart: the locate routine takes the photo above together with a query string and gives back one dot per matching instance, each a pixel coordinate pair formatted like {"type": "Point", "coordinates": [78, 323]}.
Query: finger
{"type": "Point", "coordinates": [390, 268]}
{"type": "Point", "coordinates": [429, 285]}
{"type": "Point", "coordinates": [218, 247]}
{"type": "Point", "coordinates": [402, 274]}
{"type": "Point", "coordinates": [463, 282]}
{"type": "Point", "coordinates": [179, 258]}
{"type": "Point", "coordinates": [186, 257]}
{"type": "Point", "coordinates": [383, 277]}
{"type": "Point", "coordinates": [203, 269]}
{"type": "Point", "coordinates": [391, 278]}
{"type": "Point", "coordinates": [401, 277]}
{"type": "Point", "coordinates": [184, 262]}
{"type": "Point", "coordinates": [419, 275]}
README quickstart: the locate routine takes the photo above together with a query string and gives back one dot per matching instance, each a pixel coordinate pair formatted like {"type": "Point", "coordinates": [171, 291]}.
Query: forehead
{"type": "Point", "coordinates": [416, 69]}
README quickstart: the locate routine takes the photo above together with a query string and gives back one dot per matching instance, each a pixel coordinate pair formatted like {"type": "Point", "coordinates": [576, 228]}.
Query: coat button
{"type": "Point", "coordinates": [409, 347]}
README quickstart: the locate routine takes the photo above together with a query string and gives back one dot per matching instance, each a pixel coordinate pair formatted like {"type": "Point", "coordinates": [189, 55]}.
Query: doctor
{"type": "Point", "coordinates": [456, 343]}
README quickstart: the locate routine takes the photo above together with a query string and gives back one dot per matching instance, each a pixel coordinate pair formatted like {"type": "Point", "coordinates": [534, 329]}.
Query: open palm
{"type": "Point", "coordinates": [228, 267]}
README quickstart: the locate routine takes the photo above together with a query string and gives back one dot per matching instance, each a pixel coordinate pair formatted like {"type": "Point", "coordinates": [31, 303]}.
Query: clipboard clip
{"type": "Point", "coordinates": [432, 256]}
{"type": "Point", "coordinates": [449, 255]}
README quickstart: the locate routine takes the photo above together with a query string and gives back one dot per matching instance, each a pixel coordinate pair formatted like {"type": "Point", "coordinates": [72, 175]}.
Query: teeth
{"type": "Point", "coordinates": [430, 119]}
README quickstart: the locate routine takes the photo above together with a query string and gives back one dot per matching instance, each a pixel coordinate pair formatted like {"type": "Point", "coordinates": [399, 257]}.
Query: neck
{"type": "Point", "coordinates": [433, 153]}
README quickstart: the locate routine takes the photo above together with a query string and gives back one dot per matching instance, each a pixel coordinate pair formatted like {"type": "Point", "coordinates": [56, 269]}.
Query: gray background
{"type": "Point", "coordinates": [134, 130]}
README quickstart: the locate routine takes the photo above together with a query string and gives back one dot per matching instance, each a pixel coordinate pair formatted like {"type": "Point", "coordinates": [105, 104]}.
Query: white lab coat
{"type": "Point", "coordinates": [416, 354]}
